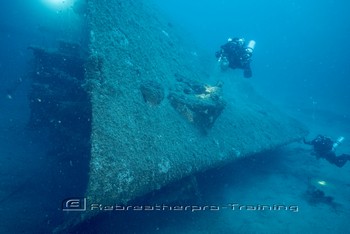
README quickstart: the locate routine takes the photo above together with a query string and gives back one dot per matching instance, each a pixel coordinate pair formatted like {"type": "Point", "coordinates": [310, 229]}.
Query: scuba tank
{"type": "Point", "coordinates": [251, 46]}
{"type": "Point", "coordinates": [338, 142]}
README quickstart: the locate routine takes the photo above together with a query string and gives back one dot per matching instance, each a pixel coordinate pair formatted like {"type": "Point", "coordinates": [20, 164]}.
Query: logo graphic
{"type": "Point", "coordinates": [74, 204]}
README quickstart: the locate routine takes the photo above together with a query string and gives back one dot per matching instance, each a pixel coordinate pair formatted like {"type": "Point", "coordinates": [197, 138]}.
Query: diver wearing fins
{"type": "Point", "coordinates": [235, 54]}
{"type": "Point", "coordinates": [325, 148]}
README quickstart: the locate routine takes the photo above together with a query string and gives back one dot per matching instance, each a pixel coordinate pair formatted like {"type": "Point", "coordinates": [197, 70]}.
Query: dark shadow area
{"type": "Point", "coordinates": [175, 204]}
{"type": "Point", "coordinates": [60, 111]}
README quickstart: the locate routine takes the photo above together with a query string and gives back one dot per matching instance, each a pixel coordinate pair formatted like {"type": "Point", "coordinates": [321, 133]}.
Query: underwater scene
{"type": "Point", "coordinates": [174, 116]}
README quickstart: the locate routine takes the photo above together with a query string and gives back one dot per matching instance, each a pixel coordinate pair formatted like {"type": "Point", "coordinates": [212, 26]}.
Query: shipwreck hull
{"type": "Point", "coordinates": [139, 145]}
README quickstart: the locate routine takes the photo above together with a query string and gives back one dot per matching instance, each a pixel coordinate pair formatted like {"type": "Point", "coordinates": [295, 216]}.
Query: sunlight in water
{"type": "Point", "coordinates": [58, 4]}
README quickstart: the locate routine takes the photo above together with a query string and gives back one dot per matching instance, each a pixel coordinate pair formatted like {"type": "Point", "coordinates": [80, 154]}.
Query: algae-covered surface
{"type": "Point", "coordinates": [138, 147]}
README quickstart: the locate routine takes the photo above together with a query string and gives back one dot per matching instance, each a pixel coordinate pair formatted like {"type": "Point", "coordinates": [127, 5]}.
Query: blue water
{"type": "Point", "coordinates": [300, 64]}
{"type": "Point", "coordinates": [302, 46]}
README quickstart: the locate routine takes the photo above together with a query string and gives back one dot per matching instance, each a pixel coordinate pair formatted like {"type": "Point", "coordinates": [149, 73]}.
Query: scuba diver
{"type": "Point", "coordinates": [235, 54]}
{"type": "Point", "coordinates": [325, 148]}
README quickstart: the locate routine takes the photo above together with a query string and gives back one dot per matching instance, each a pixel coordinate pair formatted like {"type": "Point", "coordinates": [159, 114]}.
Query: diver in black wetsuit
{"type": "Point", "coordinates": [235, 54]}
{"type": "Point", "coordinates": [324, 147]}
